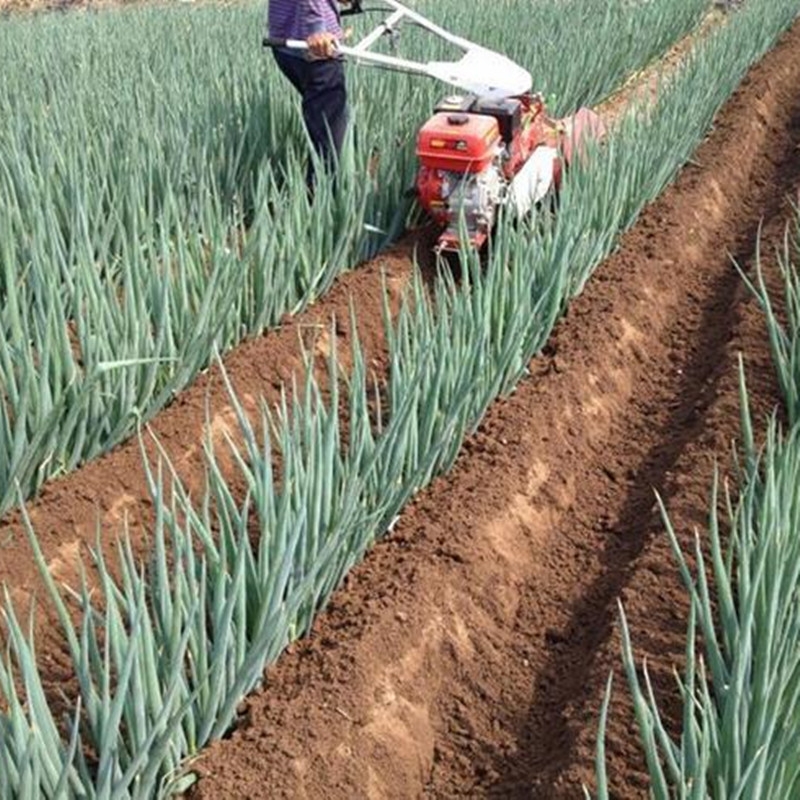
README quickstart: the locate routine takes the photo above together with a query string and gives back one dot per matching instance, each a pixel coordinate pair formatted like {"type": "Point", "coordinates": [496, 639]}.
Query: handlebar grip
{"type": "Point", "coordinates": [277, 42]}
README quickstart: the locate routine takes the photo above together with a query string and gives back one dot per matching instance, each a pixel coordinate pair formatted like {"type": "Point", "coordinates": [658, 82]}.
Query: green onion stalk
{"type": "Point", "coordinates": [741, 708]}
{"type": "Point", "coordinates": [785, 337]}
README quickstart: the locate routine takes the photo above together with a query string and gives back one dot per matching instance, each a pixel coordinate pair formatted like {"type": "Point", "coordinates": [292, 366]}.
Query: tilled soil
{"type": "Point", "coordinates": [467, 656]}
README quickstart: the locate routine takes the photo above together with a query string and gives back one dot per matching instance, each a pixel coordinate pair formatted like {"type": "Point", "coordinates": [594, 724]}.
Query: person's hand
{"type": "Point", "coordinates": [322, 45]}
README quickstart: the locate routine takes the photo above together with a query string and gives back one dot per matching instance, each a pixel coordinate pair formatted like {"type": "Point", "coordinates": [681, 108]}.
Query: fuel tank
{"type": "Point", "coordinates": [459, 142]}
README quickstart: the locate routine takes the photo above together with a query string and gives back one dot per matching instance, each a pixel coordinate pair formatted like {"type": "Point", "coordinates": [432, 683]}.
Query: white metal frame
{"type": "Point", "coordinates": [480, 71]}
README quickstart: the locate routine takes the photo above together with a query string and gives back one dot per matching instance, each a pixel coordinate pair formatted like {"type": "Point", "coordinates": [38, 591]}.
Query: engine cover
{"type": "Point", "coordinates": [459, 142]}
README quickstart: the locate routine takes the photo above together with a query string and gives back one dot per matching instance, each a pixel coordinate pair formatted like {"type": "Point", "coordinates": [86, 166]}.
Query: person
{"type": "Point", "coordinates": [318, 74]}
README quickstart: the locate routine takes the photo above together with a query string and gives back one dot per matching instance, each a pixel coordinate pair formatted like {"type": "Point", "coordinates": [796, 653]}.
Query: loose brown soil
{"type": "Point", "coordinates": [466, 657]}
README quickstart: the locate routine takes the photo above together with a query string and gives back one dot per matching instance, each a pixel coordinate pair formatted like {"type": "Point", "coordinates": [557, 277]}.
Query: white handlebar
{"type": "Point", "coordinates": [479, 71]}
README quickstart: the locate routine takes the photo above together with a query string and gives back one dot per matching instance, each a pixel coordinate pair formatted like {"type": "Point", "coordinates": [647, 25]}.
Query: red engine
{"type": "Point", "coordinates": [476, 154]}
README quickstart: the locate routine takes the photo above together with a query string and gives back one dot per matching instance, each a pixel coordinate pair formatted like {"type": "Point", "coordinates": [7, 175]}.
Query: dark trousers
{"type": "Point", "coordinates": [322, 86]}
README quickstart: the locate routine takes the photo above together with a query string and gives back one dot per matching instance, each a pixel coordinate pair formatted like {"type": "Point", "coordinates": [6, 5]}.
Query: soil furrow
{"type": "Point", "coordinates": [688, 421]}
{"type": "Point", "coordinates": [467, 655]}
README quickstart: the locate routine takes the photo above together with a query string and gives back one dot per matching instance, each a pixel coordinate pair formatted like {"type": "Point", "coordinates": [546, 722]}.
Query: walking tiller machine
{"type": "Point", "coordinates": [489, 145]}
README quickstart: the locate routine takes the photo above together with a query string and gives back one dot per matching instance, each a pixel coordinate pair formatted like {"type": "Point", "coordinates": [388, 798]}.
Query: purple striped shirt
{"type": "Point", "coordinates": [298, 19]}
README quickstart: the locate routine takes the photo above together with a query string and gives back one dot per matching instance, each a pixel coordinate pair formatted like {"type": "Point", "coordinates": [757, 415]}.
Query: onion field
{"type": "Point", "coordinates": [150, 209]}
{"type": "Point", "coordinates": [154, 221]}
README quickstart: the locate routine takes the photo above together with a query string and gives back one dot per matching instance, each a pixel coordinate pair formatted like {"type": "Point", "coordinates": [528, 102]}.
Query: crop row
{"type": "Point", "coordinates": [151, 166]}
{"type": "Point", "coordinates": [740, 732]}
{"type": "Point", "coordinates": [233, 580]}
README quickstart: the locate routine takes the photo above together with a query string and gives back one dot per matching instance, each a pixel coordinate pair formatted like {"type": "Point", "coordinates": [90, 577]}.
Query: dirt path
{"type": "Point", "coordinates": [467, 655]}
